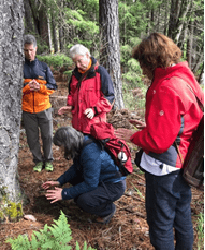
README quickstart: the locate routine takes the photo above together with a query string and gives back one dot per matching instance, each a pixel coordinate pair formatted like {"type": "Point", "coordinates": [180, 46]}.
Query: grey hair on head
{"type": "Point", "coordinates": [30, 39]}
{"type": "Point", "coordinates": [71, 139]}
{"type": "Point", "coordinates": [79, 50]}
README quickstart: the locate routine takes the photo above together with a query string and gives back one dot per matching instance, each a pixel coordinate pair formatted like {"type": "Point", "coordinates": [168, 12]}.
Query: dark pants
{"type": "Point", "coordinates": [100, 201]}
{"type": "Point", "coordinates": [32, 123]}
{"type": "Point", "coordinates": [168, 206]}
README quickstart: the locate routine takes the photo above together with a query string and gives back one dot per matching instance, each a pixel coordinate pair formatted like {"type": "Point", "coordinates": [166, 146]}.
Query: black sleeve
{"type": "Point", "coordinates": [106, 84]}
{"type": "Point", "coordinates": [51, 83]}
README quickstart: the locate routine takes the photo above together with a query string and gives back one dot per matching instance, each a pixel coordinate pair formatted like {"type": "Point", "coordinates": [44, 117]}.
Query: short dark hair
{"type": "Point", "coordinates": [30, 39]}
{"type": "Point", "coordinates": [71, 139]}
{"type": "Point", "coordinates": [156, 51]}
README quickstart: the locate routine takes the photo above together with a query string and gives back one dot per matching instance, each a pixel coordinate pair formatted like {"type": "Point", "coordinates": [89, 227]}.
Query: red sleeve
{"type": "Point", "coordinates": [103, 105]}
{"type": "Point", "coordinates": [162, 122]}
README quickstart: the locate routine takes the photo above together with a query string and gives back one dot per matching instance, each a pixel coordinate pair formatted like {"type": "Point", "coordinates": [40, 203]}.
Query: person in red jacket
{"type": "Point", "coordinates": [91, 92]}
{"type": "Point", "coordinates": [172, 114]}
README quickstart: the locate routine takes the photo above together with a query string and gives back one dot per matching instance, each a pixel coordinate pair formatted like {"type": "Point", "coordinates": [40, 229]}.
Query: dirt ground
{"type": "Point", "coordinates": [128, 229]}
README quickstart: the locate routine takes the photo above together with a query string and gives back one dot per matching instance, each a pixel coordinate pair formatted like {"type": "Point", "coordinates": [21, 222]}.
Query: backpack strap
{"type": "Point", "coordinates": [91, 140]}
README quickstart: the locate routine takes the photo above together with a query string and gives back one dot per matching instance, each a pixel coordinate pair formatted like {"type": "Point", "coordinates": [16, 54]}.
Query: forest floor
{"type": "Point", "coordinates": [127, 230]}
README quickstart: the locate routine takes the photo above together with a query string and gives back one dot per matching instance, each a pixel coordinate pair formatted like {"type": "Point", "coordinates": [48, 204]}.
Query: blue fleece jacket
{"type": "Point", "coordinates": [39, 70]}
{"type": "Point", "coordinates": [93, 165]}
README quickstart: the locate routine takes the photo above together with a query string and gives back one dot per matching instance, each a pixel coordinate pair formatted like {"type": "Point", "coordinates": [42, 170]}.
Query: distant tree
{"type": "Point", "coordinates": [11, 78]}
{"type": "Point", "coordinates": [29, 27]}
{"type": "Point", "coordinates": [110, 48]}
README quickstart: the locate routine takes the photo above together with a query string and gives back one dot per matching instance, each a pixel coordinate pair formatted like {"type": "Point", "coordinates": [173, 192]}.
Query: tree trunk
{"type": "Point", "coordinates": [55, 39]}
{"type": "Point", "coordinates": [29, 28]}
{"type": "Point", "coordinates": [165, 17]}
{"type": "Point", "coordinates": [11, 77]}
{"type": "Point", "coordinates": [60, 29]}
{"type": "Point", "coordinates": [190, 44]}
{"type": "Point", "coordinates": [43, 26]}
{"type": "Point", "coordinates": [110, 50]}
{"type": "Point", "coordinates": [179, 10]}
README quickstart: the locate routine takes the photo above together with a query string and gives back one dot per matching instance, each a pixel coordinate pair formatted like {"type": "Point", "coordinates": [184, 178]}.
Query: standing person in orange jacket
{"type": "Point", "coordinates": [39, 83]}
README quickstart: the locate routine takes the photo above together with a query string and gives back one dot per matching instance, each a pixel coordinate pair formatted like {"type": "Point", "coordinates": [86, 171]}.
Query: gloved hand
{"type": "Point", "coordinates": [89, 113]}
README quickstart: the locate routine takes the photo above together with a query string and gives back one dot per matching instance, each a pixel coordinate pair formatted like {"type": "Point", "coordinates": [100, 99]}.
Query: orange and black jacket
{"type": "Point", "coordinates": [35, 102]}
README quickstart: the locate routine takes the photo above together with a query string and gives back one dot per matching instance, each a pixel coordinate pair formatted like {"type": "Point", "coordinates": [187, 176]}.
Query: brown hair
{"type": "Point", "coordinates": [156, 51]}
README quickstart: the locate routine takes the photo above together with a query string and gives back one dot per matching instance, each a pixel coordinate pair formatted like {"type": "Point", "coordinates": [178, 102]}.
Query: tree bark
{"type": "Point", "coordinates": [11, 78]}
{"type": "Point", "coordinates": [110, 50]}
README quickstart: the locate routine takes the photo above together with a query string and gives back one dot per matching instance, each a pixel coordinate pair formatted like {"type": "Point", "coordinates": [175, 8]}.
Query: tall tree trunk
{"type": "Point", "coordinates": [40, 19]}
{"type": "Point", "coordinates": [60, 29]}
{"type": "Point", "coordinates": [11, 77]}
{"type": "Point", "coordinates": [55, 39]}
{"type": "Point", "coordinates": [43, 26]}
{"type": "Point", "coordinates": [190, 43]}
{"type": "Point", "coordinates": [165, 17]}
{"type": "Point", "coordinates": [110, 55]}
{"type": "Point", "coordinates": [179, 10]}
{"type": "Point", "coordinates": [29, 27]}
{"type": "Point", "coordinates": [174, 13]}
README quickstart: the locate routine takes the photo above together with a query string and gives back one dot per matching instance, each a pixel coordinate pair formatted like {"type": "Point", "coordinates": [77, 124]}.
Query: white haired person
{"type": "Point", "coordinates": [95, 179]}
{"type": "Point", "coordinates": [91, 92]}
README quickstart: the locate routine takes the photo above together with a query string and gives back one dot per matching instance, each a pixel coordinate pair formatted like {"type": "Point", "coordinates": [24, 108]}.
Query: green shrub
{"type": "Point", "coordinates": [131, 80]}
{"type": "Point", "coordinates": [55, 237]}
{"type": "Point", "coordinates": [56, 61]}
{"type": "Point", "coordinates": [200, 230]}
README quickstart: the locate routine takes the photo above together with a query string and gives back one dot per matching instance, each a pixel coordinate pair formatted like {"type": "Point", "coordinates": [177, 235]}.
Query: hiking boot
{"type": "Point", "coordinates": [49, 166]}
{"type": "Point", "coordinates": [38, 167]}
{"type": "Point", "coordinates": [106, 220]}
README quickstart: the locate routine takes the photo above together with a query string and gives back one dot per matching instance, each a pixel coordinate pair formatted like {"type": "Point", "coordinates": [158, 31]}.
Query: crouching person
{"type": "Point", "coordinates": [96, 180]}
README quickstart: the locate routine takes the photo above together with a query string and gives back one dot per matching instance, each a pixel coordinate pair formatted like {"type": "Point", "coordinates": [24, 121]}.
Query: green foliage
{"type": "Point", "coordinates": [10, 209]}
{"type": "Point", "coordinates": [56, 61]}
{"type": "Point", "coordinates": [132, 21]}
{"type": "Point", "coordinates": [55, 237]}
{"type": "Point", "coordinates": [125, 54]}
{"type": "Point", "coordinates": [85, 28]}
{"type": "Point", "coordinates": [131, 80]}
{"type": "Point", "coordinates": [132, 77]}
{"type": "Point", "coordinates": [200, 229]}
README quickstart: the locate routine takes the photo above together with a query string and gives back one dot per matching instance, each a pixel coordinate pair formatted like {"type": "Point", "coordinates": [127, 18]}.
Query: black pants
{"type": "Point", "coordinates": [100, 201]}
{"type": "Point", "coordinates": [44, 121]}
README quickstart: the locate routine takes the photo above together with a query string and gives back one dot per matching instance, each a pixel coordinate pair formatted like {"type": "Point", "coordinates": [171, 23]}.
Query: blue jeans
{"type": "Point", "coordinates": [168, 208]}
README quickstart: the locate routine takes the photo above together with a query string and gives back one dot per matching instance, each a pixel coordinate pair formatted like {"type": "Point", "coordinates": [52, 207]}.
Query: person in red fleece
{"type": "Point", "coordinates": [91, 91]}
{"type": "Point", "coordinates": [172, 114]}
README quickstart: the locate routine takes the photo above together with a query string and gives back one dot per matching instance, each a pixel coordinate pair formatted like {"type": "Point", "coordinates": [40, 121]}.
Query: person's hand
{"type": "Point", "coordinates": [54, 195]}
{"type": "Point", "coordinates": [36, 86]}
{"type": "Point", "coordinates": [89, 113]}
{"type": "Point", "coordinates": [124, 134]}
{"type": "Point", "coordinates": [31, 85]}
{"type": "Point", "coordinates": [138, 124]}
{"type": "Point", "coordinates": [49, 184]}
{"type": "Point", "coordinates": [64, 110]}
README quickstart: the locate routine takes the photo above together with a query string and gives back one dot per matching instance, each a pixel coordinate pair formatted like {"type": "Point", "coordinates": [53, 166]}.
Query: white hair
{"type": "Point", "coordinates": [79, 50]}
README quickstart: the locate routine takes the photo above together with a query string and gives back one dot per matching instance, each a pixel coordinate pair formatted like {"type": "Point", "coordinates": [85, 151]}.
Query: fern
{"type": "Point", "coordinates": [55, 237]}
